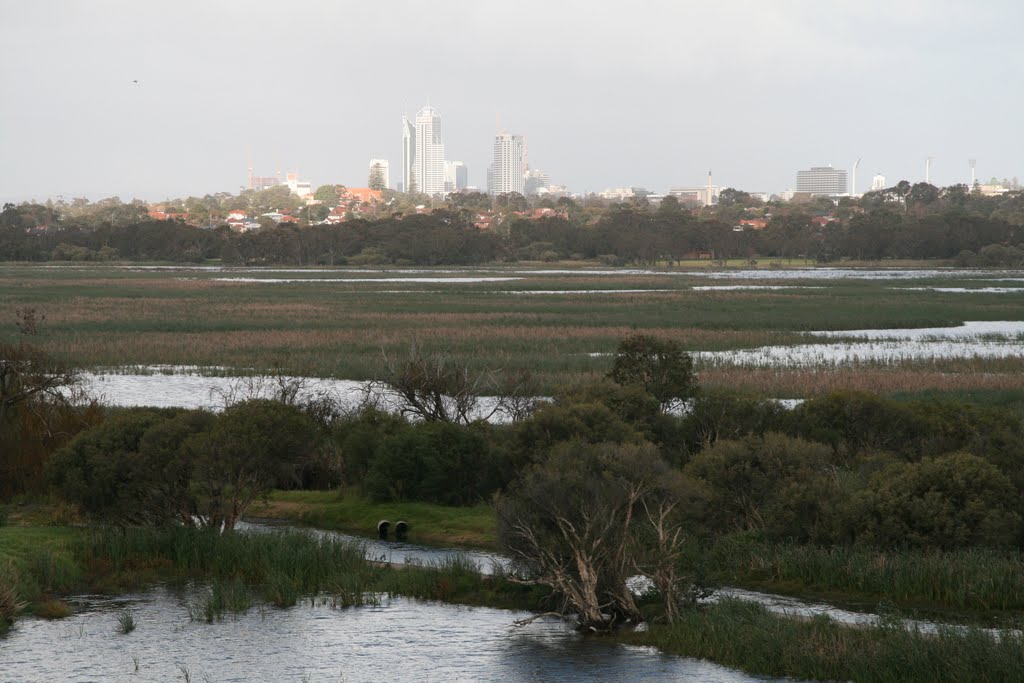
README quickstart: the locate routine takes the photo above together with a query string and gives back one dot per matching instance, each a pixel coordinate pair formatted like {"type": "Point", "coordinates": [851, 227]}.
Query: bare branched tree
{"type": "Point", "coordinates": [276, 385]}
{"type": "Point", "coordinates": [587, 519]}
{"type": "Point", "coordinates": [435, 387]}
{"type": "Point", "coordinates": [28, 373]}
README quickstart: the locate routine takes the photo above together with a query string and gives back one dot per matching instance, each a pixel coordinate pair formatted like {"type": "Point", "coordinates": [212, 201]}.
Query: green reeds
{"type": "Point", "coordinates": [970, 579]}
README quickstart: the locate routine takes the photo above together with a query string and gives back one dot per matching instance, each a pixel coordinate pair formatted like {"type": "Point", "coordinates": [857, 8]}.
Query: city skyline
{"type": "Point", "coordinates": [111, 109]}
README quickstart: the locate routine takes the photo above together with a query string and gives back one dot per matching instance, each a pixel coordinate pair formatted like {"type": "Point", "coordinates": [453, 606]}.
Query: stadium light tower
{"type": "Point", "coordinates": [853, 188]}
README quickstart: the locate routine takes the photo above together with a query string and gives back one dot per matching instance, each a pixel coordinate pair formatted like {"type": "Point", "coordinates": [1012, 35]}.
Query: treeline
{"type": "Point", "coordinates": [904, 222]}
{"type": "Point", "coordinates": [843, 469]}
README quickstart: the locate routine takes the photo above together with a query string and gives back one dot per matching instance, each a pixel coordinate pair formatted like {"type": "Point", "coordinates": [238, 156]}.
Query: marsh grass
{"type": "Point", "coordinates": [745, 635]}
{"type": "Point", "coordinates": [52, 609]}
{"type": "Point", "coordinates": [126, 623]}
{"type": "Point", "coordinates": [109, 316]}
{"type": "Point", "coordinates": [11, 603]}
{"type": "Point", "coordinates": [971, 580]}
{"type": "Point", "coordinates": [218, 599]}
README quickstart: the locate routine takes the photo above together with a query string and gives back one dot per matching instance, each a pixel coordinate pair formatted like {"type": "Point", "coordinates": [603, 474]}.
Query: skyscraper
{"type": "Point", "coordinates": [427, 170]}
{"type": "Point", "coordinates": [509, 163]}
{"type": "Point", "coordinates": [408, 154]}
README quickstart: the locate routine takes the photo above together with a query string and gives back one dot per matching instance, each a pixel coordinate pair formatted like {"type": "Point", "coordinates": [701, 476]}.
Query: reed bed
{"type": "Point", "coordinates": [110, 316]}
{"type": "Point", "coordinates": [746, 636]}
{"type": "Point", "coordinates": [987, 375]}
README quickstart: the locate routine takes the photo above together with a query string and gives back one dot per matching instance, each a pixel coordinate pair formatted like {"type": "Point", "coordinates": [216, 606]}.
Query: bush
{"type": "Point", "coordinates": [774, 483]}
{"type": "Point", "coordinates": [435, 462]}
{"type": "Point", "coordinates": [948, 502]}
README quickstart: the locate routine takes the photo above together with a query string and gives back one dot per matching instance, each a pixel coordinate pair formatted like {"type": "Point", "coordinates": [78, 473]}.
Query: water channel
{"type": "Point", "coordinates": [399, 640]}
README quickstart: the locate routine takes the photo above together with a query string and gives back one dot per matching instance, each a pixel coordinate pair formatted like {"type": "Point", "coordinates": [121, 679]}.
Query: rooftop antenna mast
{"type": "Point", "coordinates": [853, 188]}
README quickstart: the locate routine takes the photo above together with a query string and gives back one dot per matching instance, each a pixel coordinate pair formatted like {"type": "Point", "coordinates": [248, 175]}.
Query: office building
{"type": "Point", "coordinates": [509, 164]}
{"type": "Point", "coordinates": [822, 180]}
{"type": "Point", "coordinates": [878, 182]}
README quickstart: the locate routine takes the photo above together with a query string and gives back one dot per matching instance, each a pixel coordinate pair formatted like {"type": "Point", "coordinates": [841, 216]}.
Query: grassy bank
{"type": "Point", "coordinates": [748, 637]}
{"type": "Point", "coordinates": [469, 527]}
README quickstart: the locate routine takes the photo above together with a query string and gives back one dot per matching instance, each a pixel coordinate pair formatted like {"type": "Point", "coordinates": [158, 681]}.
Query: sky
{"type": "Point", "coordinates": [650, 93]}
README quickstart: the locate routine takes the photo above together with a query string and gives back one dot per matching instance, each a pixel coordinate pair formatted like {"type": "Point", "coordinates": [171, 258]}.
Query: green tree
{"type": "Point", "coordinates": [660, 366]}
{"type": "Point", "coordinates": [376, 179]}
{"type": "Point", "coordinates": [252, 447]}
{"type": "Point", "coordinates": [327, 194]}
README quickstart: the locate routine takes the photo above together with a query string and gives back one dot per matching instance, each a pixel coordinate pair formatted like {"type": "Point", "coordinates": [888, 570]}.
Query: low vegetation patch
{"type": "Point", "coordinates": [746, 636]}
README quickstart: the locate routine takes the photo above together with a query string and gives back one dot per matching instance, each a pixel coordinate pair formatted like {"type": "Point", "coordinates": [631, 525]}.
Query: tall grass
{"type": "Point", "coordinates": [747, 636]}
{"type": "Point", "coordinates": [281, 569]}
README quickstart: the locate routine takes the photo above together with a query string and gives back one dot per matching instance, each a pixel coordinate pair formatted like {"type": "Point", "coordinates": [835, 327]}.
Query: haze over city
{"type": "Point", "coordinates": [157, 100]}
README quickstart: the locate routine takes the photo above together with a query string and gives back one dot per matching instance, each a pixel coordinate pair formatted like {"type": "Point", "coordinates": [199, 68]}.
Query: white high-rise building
{"type": "Point", "coordinates": [509, 164]}
{"type": "Point", "coordinates": [385, 171]}
{"type": "Point", "coordinates": [878, 182]}
{"type": "Point", "coordinates": [428, 153]}
{"type": "Point", "coordinates": [408, 154]}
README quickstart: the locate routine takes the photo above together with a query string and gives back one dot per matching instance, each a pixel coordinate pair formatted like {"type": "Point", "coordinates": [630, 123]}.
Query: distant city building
{"type": "Point", "coordinates": [456, 176]}
{"type": "Point", "coordinates": [822, 180]}
{"type": "Point", "coordinates": [262, 182]}
{"type": "Point", "coordinates": [509, 163]}
{"type": "Point", "coordinates": [383, 167]}
{"type": "Point", "coordinates": [490, 179]}
{"type": "Point", "coordinates": [618, 193]}
{"type": "Point", "coordinates": [428, 154]}
{"type": "Point", "coordinates": [878, 182]}
{"type": "Point", "coordinates": [536, 182]}
{"type": "Point", "coordinates": [302, 188]}
{"type": "Point", "coordinates": [696, 196]}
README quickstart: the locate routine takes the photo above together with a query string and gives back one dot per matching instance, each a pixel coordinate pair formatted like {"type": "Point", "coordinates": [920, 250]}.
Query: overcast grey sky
{"type": "Point", "coordinates": [646, 92]}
